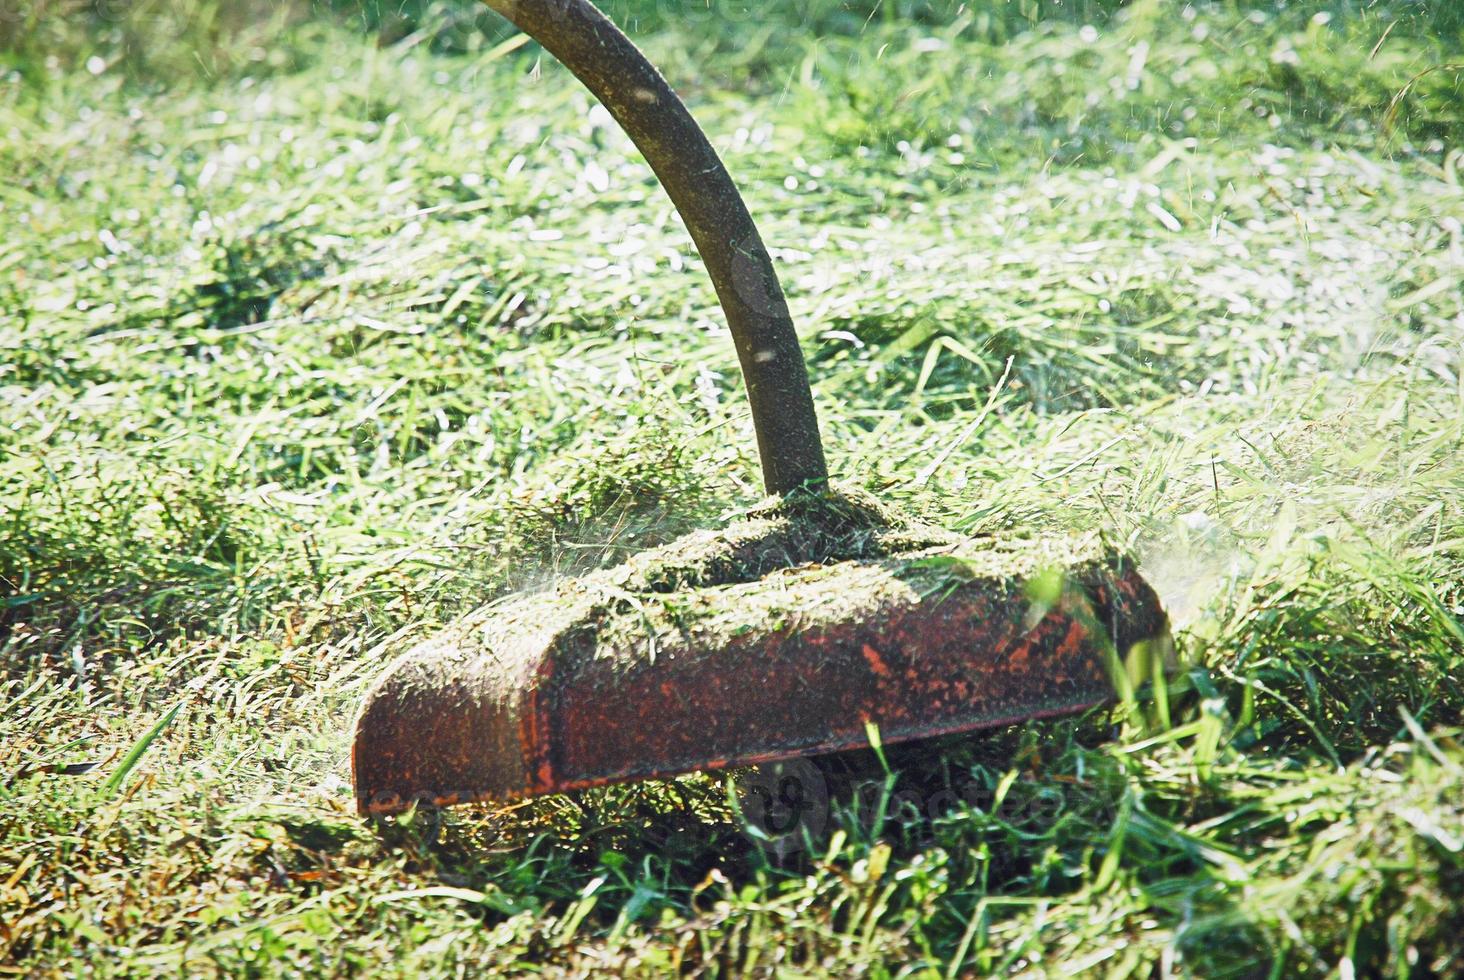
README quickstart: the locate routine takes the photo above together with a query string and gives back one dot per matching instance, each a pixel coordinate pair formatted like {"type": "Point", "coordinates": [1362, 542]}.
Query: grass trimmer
{"type": "Point", "coordinates": [820, 622]}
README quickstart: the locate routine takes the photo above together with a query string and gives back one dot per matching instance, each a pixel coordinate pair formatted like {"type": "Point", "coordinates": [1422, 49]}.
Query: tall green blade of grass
{"type": "Point", "coordinates": [139, 749]}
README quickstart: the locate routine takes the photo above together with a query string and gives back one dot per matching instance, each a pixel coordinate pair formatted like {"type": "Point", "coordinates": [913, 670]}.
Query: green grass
{"type": "Point", "coordinates": [304, 354]}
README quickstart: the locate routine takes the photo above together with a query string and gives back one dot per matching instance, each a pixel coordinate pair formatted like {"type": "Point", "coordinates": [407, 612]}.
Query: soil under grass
{"type": "Point", "coordinates": [311, 343]}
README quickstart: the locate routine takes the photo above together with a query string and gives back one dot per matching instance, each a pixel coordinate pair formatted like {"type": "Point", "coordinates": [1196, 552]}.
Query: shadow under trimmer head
{"type": "Point", "coordinates": [819, 617]}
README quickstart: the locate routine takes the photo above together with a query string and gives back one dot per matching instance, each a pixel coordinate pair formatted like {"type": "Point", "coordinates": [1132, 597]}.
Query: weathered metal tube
{"type": "Point", "coordinates": [633, 91]}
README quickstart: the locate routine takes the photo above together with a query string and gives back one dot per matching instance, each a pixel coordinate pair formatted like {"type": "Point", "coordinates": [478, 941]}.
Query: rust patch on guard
{"type": "Point", "coordinates": [1073, 642]}
{"type": "Point", "coordinates": [875, 663]}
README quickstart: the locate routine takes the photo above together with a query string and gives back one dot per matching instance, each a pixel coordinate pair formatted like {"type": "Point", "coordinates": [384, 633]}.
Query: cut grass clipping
{"type": "Point", "coordinates": [313, 341]}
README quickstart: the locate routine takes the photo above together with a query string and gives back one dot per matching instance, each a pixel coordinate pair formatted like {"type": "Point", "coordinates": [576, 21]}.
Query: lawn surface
{"type": "Point", "coordinates": [317, 331]}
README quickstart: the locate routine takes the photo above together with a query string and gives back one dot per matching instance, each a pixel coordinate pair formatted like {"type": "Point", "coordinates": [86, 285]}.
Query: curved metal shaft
{"type": "Point", "coordinates": [634, 92]}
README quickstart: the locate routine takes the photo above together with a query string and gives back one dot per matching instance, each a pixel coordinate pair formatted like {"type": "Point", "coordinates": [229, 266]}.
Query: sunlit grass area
{"type": "Point", "coordinates": [320, 327]}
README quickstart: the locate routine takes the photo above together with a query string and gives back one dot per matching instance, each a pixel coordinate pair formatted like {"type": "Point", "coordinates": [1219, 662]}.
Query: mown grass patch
{"type": "Point", "coordinates": [305, 355]}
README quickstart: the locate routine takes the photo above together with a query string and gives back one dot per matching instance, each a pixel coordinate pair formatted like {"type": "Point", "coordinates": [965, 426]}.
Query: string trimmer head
{"type": "Point", "coordinates": [819, 618]}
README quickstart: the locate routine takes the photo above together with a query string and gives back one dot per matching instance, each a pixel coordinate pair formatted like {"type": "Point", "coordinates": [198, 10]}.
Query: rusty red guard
{"type": "Point", "coordinates": [591, 683]}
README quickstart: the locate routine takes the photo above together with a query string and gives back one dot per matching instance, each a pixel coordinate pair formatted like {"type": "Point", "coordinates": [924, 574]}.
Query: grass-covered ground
{"type": "Point", "coordinates": [314, 337]}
